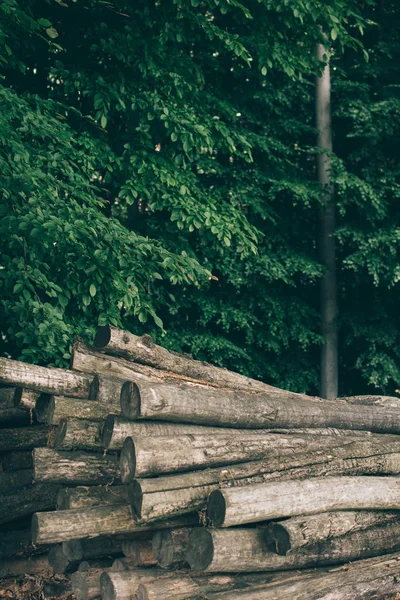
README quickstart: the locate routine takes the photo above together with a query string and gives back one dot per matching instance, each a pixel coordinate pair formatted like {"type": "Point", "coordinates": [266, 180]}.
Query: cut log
{"type": "Point", "coordinates": [169, 547]}
{"type": "Point", "coordinates": [145, 456]}
{"type": "Point", "coordinates": [27, 500]}
{"type": "Point", "coordinates": [34, 565]}
{"type": "Point", "coordinates": [187, 404]}
{"type": "Point", "coordinates": [78, 550]}
{"type": "Point", "coordinates": [44, 379]}
{"type": "Point", "coordinates": [7, 396]}
{"type": "Point", "coordinates": [84, 497]}
{"type": "Point", "coordinates": [74, 467]}
{"type": "Point", "coordinates": [386, 401]}
{"type": "Point", "coordinates": [163, 497]}
{"type": "Point", "coordinates": [15, 461]}
{"type": "Point", "coordinates": [79, 434]}
{"type": "Point", "coordinates": [25, 399]}
{"type": "Point", "coordinates": [123, 585]}
{"type": "Point", "coordinates": [59, 562]}
{"type": "Point", "coordinates": [11, 481]}
{"type": "Point", "coordinates": [143, 350]}
{"type": "Point", "coordinates": [14, 417]}
{"type": "Point", "coordinates": [106, 390]}
{"type": "Point", "coordinates": [52, 409]}
{"type": "Point", "coordinates": [65, 525]}
{"type": "Point", "coordinates": [19, 543]}
{"type": "Point", "coordinates": [86, 584]}
{"type": "Point", "coordinates": [236, 506]}
{"type": "Point", "coordinates": [243, 550]}
{"type": "Point", "coordinates": [24, 438]}
{"type": "Point", "coordinates": [139, 553]}
{"type": "Point", "coordinates": [304, 531]}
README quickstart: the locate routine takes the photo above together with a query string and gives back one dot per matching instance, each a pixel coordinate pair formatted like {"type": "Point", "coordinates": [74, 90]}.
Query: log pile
{"type": "Point", "coordinates": [143, 474]}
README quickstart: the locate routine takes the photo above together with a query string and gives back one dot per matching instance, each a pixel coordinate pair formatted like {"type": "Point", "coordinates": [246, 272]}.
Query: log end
{"type": "Point", "coordinates": [103, 336]}
{"type": "Point", "coordinates": [277, 539]}
{"type": "Point", "coordinates": [108, 429]}
{"type": "Point", "coordinates": [128, 461]}
{"type": "Point", "coordinates": [135, 498]}
{"type": "Point", "coordinates": [61, 432]}
{"type": "Point", "coordinates": [163, 549]}
{"type": "Point", "coordinates": [142, 592]}
{"type": "Point", "coordinates": [73, 550]}
{"type": "Point", "coordinates": [216, 508]}
{"type": "Point", "coordinates": [107, 587]}
{"type": "Point", "coordinates": [36, 531]}
{"type": "Point", "coordinates": [57, 560]}
{"type": "Point", "coordinates": [45, 409]}
{"type": "Point", "coordinates": [94, 387]}
{"type": "Point", "coordinates": [80, 585]}
{"type": "Point", "coordinates": [200, 550]}
{"type": "Point", "coordinates": [130, 400]}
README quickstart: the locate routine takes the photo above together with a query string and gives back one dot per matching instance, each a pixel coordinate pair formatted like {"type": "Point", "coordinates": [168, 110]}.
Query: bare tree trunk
{"type": "Point", "coordinates": [328, 291]}
{"type": "Point", "coordinates": [74, 467]}
{"type": "Point", "coordinates": [79, 434]}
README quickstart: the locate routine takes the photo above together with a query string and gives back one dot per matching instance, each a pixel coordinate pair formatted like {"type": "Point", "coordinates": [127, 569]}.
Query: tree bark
{"type": "Point", "coordinates": [18, 543]}
{"type": "Point", "coordinates": [24, 438]}
{"type": "Point", "coordinates": [123, 585]}
{"type": "Point", "coordinates": [34, 565]}
{"type": "Point", "coordinates": [255, 503]}
{"type": "Point", "coordinates": [27, 500]}
{"type": "Point", "coordinates": [74, 467]}
{"type": "Point", "coordinates": [169, 547]}
{"type": "Point", "coordinates": [386, 401]}
{"type": "Point", "coordinates": [86, 585]}
{"type": "Point", "coordinates": [12, 481]}
{"type": "Point", "coordinates": [15, 461]}
{"type": "Point", "coordinates": [79, 434]}
{"type": "Point", "coordinates": [78, 550]}
{"type": "Point", "coordinates": [163, 497]}
{"type": "Point", "coordinates": [302, 531]}
{"type": "Point", "coordinates": [238, 409]}
{"type": "Point", "coordinates": [52, 409]}
{"type": "Point", "coordinates": [328, 288]}
{"type": "Point", "coordinates": [138, 553]}
{"type": "Point", "coordinates": [85, 497]}
{"type": "Point", "coordinates": [146, 456]}
{"type": "Point", "coordinates": [25, 399]}
{"type": "Point", "coordinates": [106, 390]}
{"type": "Point", "coordinates": [243, 550]}
{"type": "Point", "coordinates": [44, 379]}
{"type": "Point", "coordinates": [65, 525]}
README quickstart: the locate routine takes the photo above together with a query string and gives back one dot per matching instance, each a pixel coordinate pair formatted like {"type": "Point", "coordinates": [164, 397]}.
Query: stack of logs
{"type": "Point", "coordinates": [154, 476]}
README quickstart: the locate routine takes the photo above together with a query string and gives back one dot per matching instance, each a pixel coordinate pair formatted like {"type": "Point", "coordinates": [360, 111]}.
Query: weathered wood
{"type": "Point", "coordinates": [163, 497]}
{"type": "Point", "coordinates": [11, 481]}
{"type": "Point", "coordinates": [14, 417]}
{"type": "Point", "coordinates": [52, 409]}
{"type": "Point", "coordinates": [169, 547]}
{"type": "Point", "coordinates": [253, 503]}
{"type": "Point", "coordinates": [243, 550]}
{"type": "Point", "coordinates": [238, 409]}
{"type": "Point", "coordinates": [79, 434]}
{"type": "Point", "coordinates": [143, 350]}
{"type": "Point", "coordinates": [86, 584]}
{"type": "Point", "coordinates": [123, 585]}
{"type": "Point", "coordinates": [78, 550]}
{"type": "Point", "coordinates": [15, 461]}
{"type": "Point", "coordinates": [138, 553]}
{"type": "Point", "coordinates": [25, 399]}
{"type": "Point", "coordinates": [24, 438]}
{"type": "Point", "coordinates": [59, 562]}
{"type": "Point", "coordinates": [386, 401]}
{"type": "Point", "coordinates": [34, 565]}
{"type": "Point", "coordinates": [44, 379]}
{"type": "Point", "coordinates": [65, 525]}
{"type": "Point", "coordinates": [18, 543]}
{"type": "Point", "coordinates": [7, 396]}
{"type": "Point", "coordinates": [145, 456]}
{"type": "Point", "coordinates": [106, 390]}
{"type": "Point", "coordinates": [84, 497]}
{"type": "Point", "coordinates": [306, 530]}
{"type": "Point", "coordinates": [74, 467]}
{"type": "Point", "coordinates": [27, 500]}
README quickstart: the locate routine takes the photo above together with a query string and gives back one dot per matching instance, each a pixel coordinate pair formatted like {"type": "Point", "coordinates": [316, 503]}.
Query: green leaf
{"type": "Point", "coordinates": [92, 290]}
{"type": "Point", "coordinates": [52, 33]}
{"type": "Point", "coordinates": [334, 34]}
{"type": "Point", "coordinates": [44, 23]}
{"type": "Point", "coordinates": [264, 71]}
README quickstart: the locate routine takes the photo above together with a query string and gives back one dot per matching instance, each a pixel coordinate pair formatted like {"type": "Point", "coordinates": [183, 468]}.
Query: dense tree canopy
{"type": "Point", "coordinates": [158, 172]}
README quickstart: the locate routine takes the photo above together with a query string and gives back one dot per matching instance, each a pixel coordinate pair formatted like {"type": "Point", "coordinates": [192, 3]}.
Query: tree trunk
{"type": "Point", "coordinates": [15, 461]}
{"type": "Point", "coordinates": [243, 550]}
{"type": "Point", "coordinates": [27, 500]}
{"type": "Point", "coordinates": [19, 543]}
{"type": "Point", "coordinates": [12, 481]}
{"type": "Point", "coordinates": [85, 497]}
{"type": "Point", "coordinates": [169, 547]}
{"type": "Point", "coordinates": [24, 438]}
{"type": "Point", "coordinates": [86, 585]}
{"type": "Point", "coordinates": [65, 525]}
{"type": "Point", "coordinates": [255, 503]}
{"type": "Point", "coordinates": [138, 553]}
{"type": "Point", "coordinates": [44, 379]}
{"type": "Point", "coordinates": [163, 497]}
{"type": "Point", "coordinates": [106, 390]}
{"type": "Point", "coordinates": [328, 291]}
{"type": "Point", "coordinates": [52, 409]}
{"type": "Point", "coordinates": [304, 531]}
{"type": "Point", "coordinates": [79, 434]}
{"type": "Point", "coordinates": [78, 550]}
{"type": "Point", "coordinates": [35, 565]}
{"type": "Point", "coordinates": [74, 467]}
{"type": "Point", "coordinates": [386, 401]}
{"type": "Point", "coordinates": [25, 399]}
{"type": "Point", "coordinates": [146, 456]}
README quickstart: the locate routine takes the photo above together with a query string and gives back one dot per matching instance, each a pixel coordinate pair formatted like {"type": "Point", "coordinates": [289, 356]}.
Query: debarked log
{"type": "Point", "coordinates": [169, 547]}
{"type": "Point", "coordinates": [59, 562]}
{"type": "Point", "coordinates": [78, 550]}
{"type": "Point", "coordinates": [138, 553]}
{"type": "Point", "coordinates": [44, 379]}
{"type": "Point", "coordinates": [84, 497]}
{"type": "Point", "coordinates": [74, 467]}
{"type": "Point", "coordinates": [243, 550]}
{"type": "Point", "coordinates": [306, 530]}
{"type": "Point", "coordinates": [17, 460]}
{"type": "Point", "coordinates": [145, 456]}
{"type": "Point", "coordinates": [202, 406]}
{"type": "Point", "coordinates": [24, 438]}
{"type": "Point", "coordinates": [123, 585]}
{"type": "Point", "coordinates": [25, 399]}
{"type": "Point", "coordinates": [11, 481]}
{"type": "Point", "coordinates": [27, 500]}
{"type": "Point", "coordinates": [86, 584]}
{"type": "Point", "coordinates": [75, 524]}
{"type": "Point", "coordinates": [79, 434]}
{"type": "Point", "coordinates": [106, 390]}
{"type": "Point", "coordinates": [52, 409]}
{"type": "Point", "coordinates": [236, 506]}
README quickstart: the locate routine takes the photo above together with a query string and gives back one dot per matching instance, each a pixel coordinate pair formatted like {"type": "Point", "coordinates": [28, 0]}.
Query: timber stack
{"type": "Point", "coordinates": [144, 474]}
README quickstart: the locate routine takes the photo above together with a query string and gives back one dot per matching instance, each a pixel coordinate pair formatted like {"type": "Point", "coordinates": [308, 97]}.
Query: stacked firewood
{"type": "Point", "coordinates": [152, 475]}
